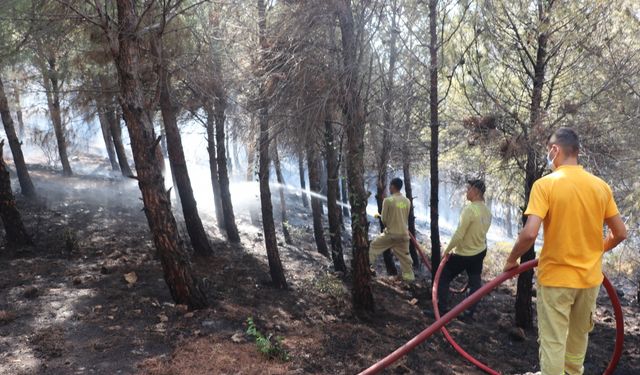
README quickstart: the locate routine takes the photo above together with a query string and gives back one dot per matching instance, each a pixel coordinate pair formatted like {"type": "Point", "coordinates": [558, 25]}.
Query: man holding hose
{"type": "Point", "coordinates": [395, 217]}
{"type": "Point", "coordinates": [573, 206]}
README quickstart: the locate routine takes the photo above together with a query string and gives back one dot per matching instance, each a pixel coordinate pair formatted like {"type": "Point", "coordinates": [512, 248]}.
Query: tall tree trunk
{"type": "Point", "coordinates": [283, 203]}
{"type": "Point", "coordinates": [524, 305]}
{"type": "Point", "coordinates": [333, 190]}
{"type": "Point", "coordinates": [213, 168]}
{"type": "Point", "coordinates": [355, 126]}
{"type": "Point", "coordinates": [26, 186]}
{"type": "Point", "coordinates": [113, 118]}
{"type": "Point", "coordinates": [387, 107]}
{"type": "Point", "coordinates": [52, 88]}
{"type": "Point", "coordinates": [16, 95]}
{"type": "Point", "coordinates": [106, 136]}
{"type": "Point", "coordinates": [313, 166]}
{"type": "Point", "coordinates": [303, 187]}
{"type": "Point", "coordinates": [271, 243]}
{"type": "Point", "coordinates": [14, 228]}
{"type": "Point", "coordinates": [179, 170]}
{"type": "Point", "coordinates": [435, 129]}
{"type": "Point", "coordinates": [175, 260]}
{"type": "Point", "coordinates": [220, 106]}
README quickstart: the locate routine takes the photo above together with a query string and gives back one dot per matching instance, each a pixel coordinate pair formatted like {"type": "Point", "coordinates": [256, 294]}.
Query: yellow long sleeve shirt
{"type": "Point", "coordinates": [470, 237]}
{"type": "Point", "coordinates": [395, 214]}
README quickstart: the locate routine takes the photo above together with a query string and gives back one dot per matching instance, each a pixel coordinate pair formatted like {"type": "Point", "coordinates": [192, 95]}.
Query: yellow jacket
{"type": "Point", "coordinates": [470, 237]}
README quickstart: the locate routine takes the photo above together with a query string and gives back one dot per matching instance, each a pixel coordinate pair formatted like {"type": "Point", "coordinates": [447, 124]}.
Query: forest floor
{"type": "Point", "coordinates": [89, 298]}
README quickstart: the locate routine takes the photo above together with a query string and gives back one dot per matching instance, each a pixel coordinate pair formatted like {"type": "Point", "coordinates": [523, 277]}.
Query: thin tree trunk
{"type": "Point", "coordinates": [283, 203]}
{"type": "Point", "coordinates": [175, 260]}
{"type": "Point", "coordinates": [106, 136]}
{"type": "Point", "coordinates": [345, 193]}
{"type": "Point", "coordinates": [509, 222]}
{"type": "Point", "coordinates": [303, 186]}
{"type": "Point", "coordinates": [15, 231]}
{"type": "Point", "coordinates": [228, 150]}
{"type": "Point", "coordinates": [220, 105]}
{"type": "Point", "coordinates": [435, 129]}
{"type": "Point", "coordinates": [179, 170]}
{"type": "Point", "coordinates": [387, 106]}
{"type": "Point", "coordinates": [213, 168]}
{"type": "Point", "coordinates": [408, 188]}
{"type": "Point", "coordinates": [16, 94]}
{"type": "Point", "coordinates": [26, 186]}
{"type": "Point", "coordinates": [113, 119]}
{"type": "Point", "coordinates": [236, 158]}
{"type": "Point", "coordinates": [269, 227]}
{"type": "Point", "coordinates": [524, 305]}
{"type": "Point", "coordinates": [355, 126]}
{"type": "Point", "coordinates": [333, 191]}
{"type": "Point", "coordinates": [316, 207]}
{"type": "Point", "coordinates": [52, 88]}
{"type": "Point", "coordinates": [252, 148]}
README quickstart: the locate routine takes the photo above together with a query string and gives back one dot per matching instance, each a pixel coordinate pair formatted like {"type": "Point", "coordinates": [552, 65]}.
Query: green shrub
{"type": "Point", "coordinates": [269, 346]}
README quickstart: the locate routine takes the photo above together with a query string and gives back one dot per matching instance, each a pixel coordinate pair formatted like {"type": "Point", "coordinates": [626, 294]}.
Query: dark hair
{"type": "Point", "coordinates": [567, 139]}
{"type": "Point", "coordinates": [397, 183]}
{"type": "Point", "coordinates": [478, 184]}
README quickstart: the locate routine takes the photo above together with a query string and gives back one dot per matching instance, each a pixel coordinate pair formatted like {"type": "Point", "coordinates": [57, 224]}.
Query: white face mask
{"type": "Point", "coordinates": [550, 161]}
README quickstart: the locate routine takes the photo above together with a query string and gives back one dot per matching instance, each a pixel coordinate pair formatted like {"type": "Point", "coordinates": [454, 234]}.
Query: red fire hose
{"type": "Point", "coordinates": [475, 297]}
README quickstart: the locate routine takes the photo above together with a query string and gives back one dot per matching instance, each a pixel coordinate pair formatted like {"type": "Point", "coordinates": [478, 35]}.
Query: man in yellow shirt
{"type": "Point", "coordinates": [573, 206]}
{"type": "Point", "coordinates": [469, 246]}
{"type": "Point", "coordinates": [395, 217]}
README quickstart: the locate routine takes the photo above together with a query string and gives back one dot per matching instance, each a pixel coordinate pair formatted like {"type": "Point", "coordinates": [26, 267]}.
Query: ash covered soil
{"type": "Point", "coordinates": [89, 298]}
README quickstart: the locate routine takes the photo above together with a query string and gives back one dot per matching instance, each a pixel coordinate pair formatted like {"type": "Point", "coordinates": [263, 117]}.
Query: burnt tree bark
{"type": "Point", "coordinates": [14, 228]}
{"type": "Point", "coordinates": [175, 260]}
{"type": "Point", "coordinates": [52, 87]}
{"type": "Point", "coordinates": [180, 173]}
{"type": "Point", "coordinates": [313, 167]}
{"type": "Point", "coordinates": [268, 225]}
{"type": "Point", "coordinates": [434, 126]}
{"type": "Point", "coordinates": [333, 193]}
{"type": "Point", "coordinates": [283, 203]}
{"type": "Point", "coordinates": [213, 167]}
{"type": "Point", "coordinates": [26, 185]}
{"type": "Point", "coordinates": [355, 126]}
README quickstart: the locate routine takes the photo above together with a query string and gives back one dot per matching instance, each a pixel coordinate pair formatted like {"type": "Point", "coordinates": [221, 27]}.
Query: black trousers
{"type": "Point", "coordinates": [456, 264]}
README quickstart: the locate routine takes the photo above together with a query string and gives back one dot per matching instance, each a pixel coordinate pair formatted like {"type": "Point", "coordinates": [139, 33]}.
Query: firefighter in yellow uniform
{"type": "Point", "coordinates": [573, 205]}
{"type": "Point", "coordinates": [395, 217]}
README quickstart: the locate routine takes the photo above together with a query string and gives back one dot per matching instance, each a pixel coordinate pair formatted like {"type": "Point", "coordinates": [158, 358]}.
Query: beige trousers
{"type": "Point", "coordinates": [565, 318]}
{"type": "Point", "coordinates": [399, 245]}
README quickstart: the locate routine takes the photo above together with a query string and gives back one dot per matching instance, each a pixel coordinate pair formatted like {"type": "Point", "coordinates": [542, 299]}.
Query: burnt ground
{"type": "Point", "coordinates": [66, 307]}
